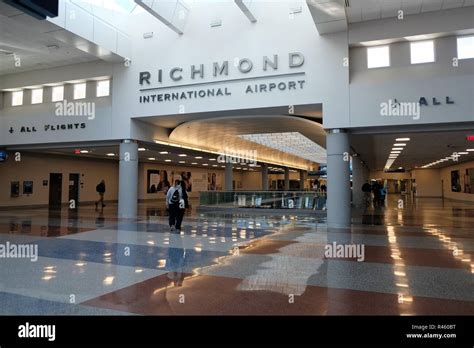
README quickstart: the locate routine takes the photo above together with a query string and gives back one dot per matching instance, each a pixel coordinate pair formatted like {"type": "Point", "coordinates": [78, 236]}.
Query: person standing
{"type": "Point", "coordinates": [100, 188]}
{"type": "Point", "coordinates": [174, 203]}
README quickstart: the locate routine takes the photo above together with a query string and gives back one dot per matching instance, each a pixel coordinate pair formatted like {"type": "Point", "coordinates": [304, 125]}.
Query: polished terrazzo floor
{"type": "Point", "coordinates": [419, 260]}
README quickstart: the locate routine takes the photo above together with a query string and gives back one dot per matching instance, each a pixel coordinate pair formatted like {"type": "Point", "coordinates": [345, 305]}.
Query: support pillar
{"type": "Point", "coordinates": [228, 177]}
{"type": "Point", "coordinates": [287, 180]}
{"type": "Point", "coordinates": [264, 177]}
{"type": "Point", "coordinates": [302, 177]}
{"type": "Point", "coordinates": [339, 192]}
{"type": "Point", "coordinates": [358, 179]}
{"type": "Point", "coordinates": [128, 179]}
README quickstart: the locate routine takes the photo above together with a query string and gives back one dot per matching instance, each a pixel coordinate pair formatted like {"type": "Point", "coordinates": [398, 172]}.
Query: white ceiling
{"type": "Point", "coordinates": [423, 148]}
{"type": "Point", "coordinates": [367, 10]}
{"type": "Point", "coordinates": [27, 38]}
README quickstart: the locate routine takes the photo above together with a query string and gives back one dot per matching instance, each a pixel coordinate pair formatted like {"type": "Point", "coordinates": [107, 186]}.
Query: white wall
{"type": "Point", "coordinates": [407, 83]}
{"type": "Point", "coordinates": [36, 168]}
{"type": "Point", "coordinates": [428, 182]}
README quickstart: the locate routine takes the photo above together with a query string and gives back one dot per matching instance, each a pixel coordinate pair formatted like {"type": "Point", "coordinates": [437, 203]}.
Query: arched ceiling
{"type": "Point", "coordinates": [224, 135]}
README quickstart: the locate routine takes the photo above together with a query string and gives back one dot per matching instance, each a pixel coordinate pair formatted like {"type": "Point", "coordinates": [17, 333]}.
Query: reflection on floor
{"type": "Point", "coordinates": [417, 260]}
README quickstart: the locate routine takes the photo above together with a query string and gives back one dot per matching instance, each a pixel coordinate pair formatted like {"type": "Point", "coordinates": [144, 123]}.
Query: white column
{"type": "Point", "coordinates": [339, 194]}
{"type": "Point", "coordinates": [128, 179]}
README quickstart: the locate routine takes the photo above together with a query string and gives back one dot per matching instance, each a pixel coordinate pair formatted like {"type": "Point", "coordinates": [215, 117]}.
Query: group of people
{"type": "Point", "coordinates": [374, 193]}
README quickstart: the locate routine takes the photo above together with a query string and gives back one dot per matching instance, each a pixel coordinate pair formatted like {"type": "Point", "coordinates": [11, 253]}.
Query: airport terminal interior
{"type": "Point", "coordinates": [320, 154]}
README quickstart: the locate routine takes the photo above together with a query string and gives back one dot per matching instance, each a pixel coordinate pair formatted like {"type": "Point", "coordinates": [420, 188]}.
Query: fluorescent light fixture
{"type": "Point", "coordinates": [182, 161]}
{"type": "Point", "coordinates": [470, 150]}
{"type": "Point", "coordinates": [84, 151]}
{"type": "Point", "coordinates": [164, 152]}
{"type": "Point", "coordinates": [141, 149]}
{"type": "Point", "coordinates": [194, 163]}
{"type": "Point", "coordinates": [402, 139]}
{"type": "Point", "coordinates": [397, 148]}
{"type": "Point", "coordinates": [212, 159]}
{"type": "Point", "coordinates": [422, 52]}
{"type": "Point", "coordinates": [151, 158]}
{"type": "Point", "coordinates": [198, 157]}
{"type": "Point", "coordinates": [399, 144]}
{"type": "Point", "coordinates": [182, 155]}
{"type": "Point", "coordinates": [214, 165]}
{"type": "Point", "coordinates": [392, 152]}
{"type": "Point", "coordinates": [465, 47]}
{"type": "Point", "coordinates": [167, 160]}
{"type": "Point", "coordinates": [205, 164]}
{"type": "Point", "coordinates": [378, 57]}
{"type": "Point", "coordinates": [110, 154]}
{"type": "Point", "coordinates": [463, 153]}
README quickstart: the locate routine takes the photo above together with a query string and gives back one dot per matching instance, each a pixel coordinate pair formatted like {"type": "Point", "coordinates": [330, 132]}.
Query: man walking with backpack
{"type": "Point", "coordinates": [174, 203]}
{"type": "Point", "coordinates": [100, 188]}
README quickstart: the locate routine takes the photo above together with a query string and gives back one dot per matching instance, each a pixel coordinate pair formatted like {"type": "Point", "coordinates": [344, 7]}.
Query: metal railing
{"type": "Point", "coordinates": [264, 199]}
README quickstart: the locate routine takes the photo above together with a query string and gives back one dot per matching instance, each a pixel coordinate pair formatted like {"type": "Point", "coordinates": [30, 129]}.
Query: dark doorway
{"type": "Point", "coordinates": [55, 189]}
{"type": "Point", "coordinates": [74, 188]}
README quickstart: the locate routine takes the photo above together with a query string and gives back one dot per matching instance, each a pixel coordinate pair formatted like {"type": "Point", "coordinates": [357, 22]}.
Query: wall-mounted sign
{"type": "Point", "coordinates": [216, 70]}
{"type": "Point", "coordinates": [47, 128]}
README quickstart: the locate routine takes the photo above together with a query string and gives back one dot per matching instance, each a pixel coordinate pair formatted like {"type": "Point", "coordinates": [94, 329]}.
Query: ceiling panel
{"type": "Point", "coordinates": [366, 10]}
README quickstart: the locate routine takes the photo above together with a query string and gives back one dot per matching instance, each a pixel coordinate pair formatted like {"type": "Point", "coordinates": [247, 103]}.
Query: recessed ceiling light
{"type": "Point", "coordinates": [167, 160]}
{"type": "Point", "coordinates": [141, 149]}
{"type": "Point", "coordinates": [151, 158]}
{"type": "Point", "coordinates": [182, 155]}
{"type": "Point", "coordinates": [402, 139]}
{"type": "Point", "coordinates": [164, 152]}
{"type": "Point", "coordinates": [110, 154]}
{"type": "Point", "coordinates": [198, 157]}
{"type": "Point", "coordinates": [399, 144]}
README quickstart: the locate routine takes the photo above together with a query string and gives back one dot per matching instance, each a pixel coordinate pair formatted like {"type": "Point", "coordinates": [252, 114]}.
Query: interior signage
{"type": "Point", "coordinates": [423, 101]}
{"type": "Point", "coordinates": [47, 128]}
{"type": "Point", "coordinates": [213, 73]}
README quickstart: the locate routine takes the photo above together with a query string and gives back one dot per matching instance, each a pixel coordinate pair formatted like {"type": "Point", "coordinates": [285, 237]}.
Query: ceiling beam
{"type": "Point", "coordinates": [245, 6]}
{"type": "Point", "coordinates": [173, 14]}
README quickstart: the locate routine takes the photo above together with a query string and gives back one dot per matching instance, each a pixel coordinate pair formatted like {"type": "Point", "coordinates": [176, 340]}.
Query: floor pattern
{"type": "Point", "coordinates": [419, 260]}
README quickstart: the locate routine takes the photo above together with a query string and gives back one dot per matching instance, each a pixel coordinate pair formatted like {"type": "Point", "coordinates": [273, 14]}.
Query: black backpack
{"type": "Point", "coordinates": [175, 197]}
